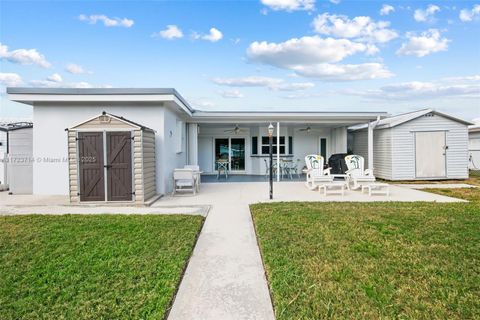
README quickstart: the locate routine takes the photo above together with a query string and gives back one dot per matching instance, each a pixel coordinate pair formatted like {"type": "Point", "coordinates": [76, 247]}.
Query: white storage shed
{"type": "Point", "coordinates": [17, 164]}
{"type": "Point", "coordinates": [474, 147]}
{"type": "Point", "coordinates": [420, 145]}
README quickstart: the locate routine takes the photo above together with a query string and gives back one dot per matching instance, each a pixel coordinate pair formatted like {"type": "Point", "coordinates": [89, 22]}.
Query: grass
{"type": "Point", "coordinates": [470, 194]}
{"type": "Point", "coordinates": [92, 267]}
{"type": "Point", "coordinates": [371, 260]}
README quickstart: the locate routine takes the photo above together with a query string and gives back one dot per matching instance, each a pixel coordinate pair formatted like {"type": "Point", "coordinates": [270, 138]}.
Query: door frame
{"type": "Point", "coordinates": [327, 147]}
{"type": "Point", "coordinates": [105, 170]}
{"type": "Point", "coordinates": [230, 137]}
{"type": "Point", "coordinates": [415, 153]}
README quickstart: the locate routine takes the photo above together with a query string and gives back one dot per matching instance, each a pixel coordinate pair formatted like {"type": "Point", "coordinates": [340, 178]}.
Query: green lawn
{"type": "Point", "coordinates": [371, 260]}
{"type": "Point", "coordinates": [470, 194]}
{"type": "Point", "coordinates": [92, 267]}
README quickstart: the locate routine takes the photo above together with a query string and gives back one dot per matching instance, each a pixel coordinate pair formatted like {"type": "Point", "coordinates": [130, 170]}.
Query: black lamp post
{"type": "Point", "coordinates": [270, 140]}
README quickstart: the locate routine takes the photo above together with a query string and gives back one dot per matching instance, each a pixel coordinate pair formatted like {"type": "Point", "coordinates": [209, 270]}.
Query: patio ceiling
{"type": "Point", "coordinates": [321, 119]}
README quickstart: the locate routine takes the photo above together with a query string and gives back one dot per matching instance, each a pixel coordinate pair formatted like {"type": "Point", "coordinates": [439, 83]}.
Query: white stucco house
{"type": "Point", "coordinates": [139, 136]}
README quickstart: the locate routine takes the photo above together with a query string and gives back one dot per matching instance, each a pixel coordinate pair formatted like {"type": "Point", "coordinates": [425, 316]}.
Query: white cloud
{"type": "Point", "coordinates": [75, 69]}
{"type": "Point", "coordinates": [253, 81]}
{"type": "Point", "coordinates": [56, 81]}
{"type": "Point", "coordinates": [303, 51]}
{"type": "Point", "coordinates": [214, 35]}
{"type": "Point", "coordinates": [460, 87]}
{"type": "Point", "coordinates": [386, 10]}
{"type": "Point", "coordinates": [426, 15]}
{"type": "Point", "coordinates": [345, 72]}
{"type": "Point", "coordinates": [362, 28]}
{"type": "Point", "coordinates": [289, 5]}
{"type": "Point", "coordinates": [426, 43]}
{"type": "Point", "coordinates": [55, 78]}
{"type": "Point", "coordinates": [467, 15]}
{"type": "Point", "coordinates": [232, 94]}
{"type": "Point", "coordinates": [476, 121]}
{"type": "Point", "coordinates": [24, 56]}
{"type": "Point", "coordinates": [170, 33]}
{"type": "Point", "coordinates": [201, 102]}
{"type": "Point", "coordinates": [107, 22]}
{"type": "Point", "coordinates": [10, 79]}
{"type": "Point", "coordinates": [335, 1]}
{"type": "Point", "coordinates": [274, 84]}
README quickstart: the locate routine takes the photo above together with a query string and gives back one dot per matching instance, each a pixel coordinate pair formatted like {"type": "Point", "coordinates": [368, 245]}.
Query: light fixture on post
{"type": "Point", "coordinates": [270, 141]}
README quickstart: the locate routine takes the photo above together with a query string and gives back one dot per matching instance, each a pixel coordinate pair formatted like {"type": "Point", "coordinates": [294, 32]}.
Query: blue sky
{"type": "Point", "coordinates": [393, 56]}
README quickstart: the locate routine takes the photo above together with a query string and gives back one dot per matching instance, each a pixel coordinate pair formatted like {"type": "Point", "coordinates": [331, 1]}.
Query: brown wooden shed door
{"type": "Point", "coordinates": [119, 166]}
{"type": "Point", "coordinates": [90, 152]}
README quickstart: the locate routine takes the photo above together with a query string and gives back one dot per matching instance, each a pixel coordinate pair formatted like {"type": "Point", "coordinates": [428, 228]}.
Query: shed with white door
{"type": "Point", "coordinates": [474, 147]}
{"type": "Point", "coordinates": [420, 145]}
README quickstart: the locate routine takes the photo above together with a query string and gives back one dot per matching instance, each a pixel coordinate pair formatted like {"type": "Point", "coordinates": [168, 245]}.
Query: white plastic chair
{"type": "Point", "coordinates": [356, 171]}
{"type": "Point", "coordinates": [184, 180]}
{"type": "Point", "coordinates": [196, 171]}
{"type": "Point", "coordinates": [316, 175]}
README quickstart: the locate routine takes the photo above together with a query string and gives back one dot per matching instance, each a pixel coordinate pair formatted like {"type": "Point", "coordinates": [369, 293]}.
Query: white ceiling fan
{"type": "Point", "coordinates": [236, 130]}
{"type": "Point", "coordinates": [307, 129]}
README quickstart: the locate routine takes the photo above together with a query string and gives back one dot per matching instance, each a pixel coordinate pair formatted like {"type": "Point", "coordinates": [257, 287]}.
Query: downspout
{"type": "Point", "coordinates": [371, 126]}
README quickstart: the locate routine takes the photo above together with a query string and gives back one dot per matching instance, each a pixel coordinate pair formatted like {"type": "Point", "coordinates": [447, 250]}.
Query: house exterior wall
{"type": "Point", "coordinates": [474, 150]}
{"type": "Point", "coordinates": [403, 146]}
{"type": "Point", "coordinates": [170, 158]}
{"type": "Point", "coordinates": [50, 141]}
{"type": "Point", "coordinates": [303, 144]}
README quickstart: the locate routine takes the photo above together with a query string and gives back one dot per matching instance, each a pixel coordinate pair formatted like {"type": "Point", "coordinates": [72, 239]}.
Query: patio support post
{"type": "Point", "coordinates": [278, 151]}
{"type": "Point", "coordinates": [270, 142]}
{"type": "Point", "coordinates": [370, 145]}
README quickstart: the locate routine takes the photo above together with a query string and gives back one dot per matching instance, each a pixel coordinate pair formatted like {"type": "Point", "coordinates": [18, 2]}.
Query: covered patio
{"type": "Point", "coordinates": [239, 143]}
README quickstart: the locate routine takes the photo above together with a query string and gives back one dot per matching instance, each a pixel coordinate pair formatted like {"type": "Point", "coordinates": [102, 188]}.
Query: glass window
{"type": "Point", "coordinates": [290, 145]}
{"type": "Point", "coordinates": [265, 145]}
{"type": "Point", "coordinates": [254, 145]}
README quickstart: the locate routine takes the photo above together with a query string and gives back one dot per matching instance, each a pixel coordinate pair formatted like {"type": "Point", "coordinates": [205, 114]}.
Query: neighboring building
{"type": "Point", "coordinates": [3, 156]}
{"type": "Point", "coordinates": [474, 147]}
{"type": "Point", "coordinates": [419, 145]}
{"type": "Point", "coordinates": [175, 135]}
{"type": "Point", "coordinates": [16, 152]}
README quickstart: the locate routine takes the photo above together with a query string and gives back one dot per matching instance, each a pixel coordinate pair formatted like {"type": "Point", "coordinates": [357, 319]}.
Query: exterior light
{"type": "Point", "coordinates": [270, 130]}
{"type": "Point", "coordinates": [104, 118]}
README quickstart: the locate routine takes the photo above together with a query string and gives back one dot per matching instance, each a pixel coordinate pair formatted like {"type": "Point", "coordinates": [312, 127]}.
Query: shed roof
{"type": "Point", "coordinates": [394, 121]}
{"type": "Point", "coordinates": [15, 126]}
{"type": "Point", "coordinates": [119, 118]}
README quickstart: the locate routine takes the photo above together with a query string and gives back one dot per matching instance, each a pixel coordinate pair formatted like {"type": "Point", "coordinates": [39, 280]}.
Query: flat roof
{"type": "Point", "coordinates": [30, 95]}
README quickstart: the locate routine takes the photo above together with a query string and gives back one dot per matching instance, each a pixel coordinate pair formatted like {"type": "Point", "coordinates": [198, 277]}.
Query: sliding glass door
{"type": "Point", "coordinates": [232, 151]}
{"type": "Point", "coordinates": [237, 151]}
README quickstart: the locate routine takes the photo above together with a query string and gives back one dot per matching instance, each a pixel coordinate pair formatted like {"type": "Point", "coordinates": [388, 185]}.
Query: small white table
{"type": "Point", "coordinates": [345, 178]}
{"type": "Point", "coordinates": [335, 187]}
{"type": "Point", "coordinates": [377, 188]}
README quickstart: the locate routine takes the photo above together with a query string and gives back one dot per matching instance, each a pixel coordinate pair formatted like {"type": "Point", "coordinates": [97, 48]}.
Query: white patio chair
{"type": "Point", "coordinates": [196, 171]}
{"type": "Point", "coordinates": [316, 175]}
{"type": "Point", "coordinates": [184, 180]}
{"type": "Point", "coordinates": [356, 171]}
